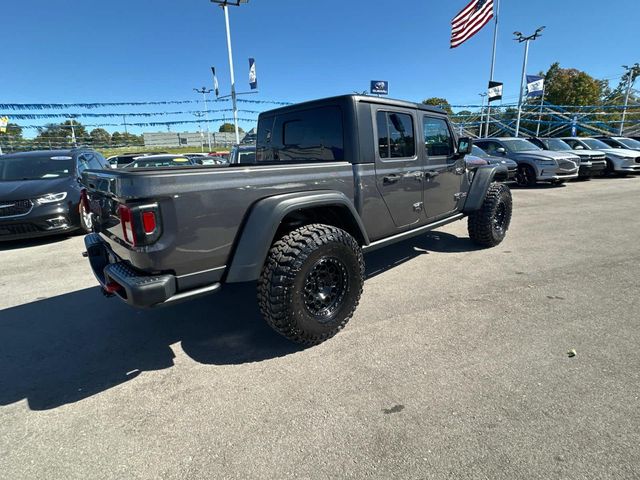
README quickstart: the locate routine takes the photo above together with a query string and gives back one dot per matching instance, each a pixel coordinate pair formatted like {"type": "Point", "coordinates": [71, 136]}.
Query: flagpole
{"type": "Point", "coordinates": [483, 95]}
{"type": "Point", "coordinates": [493, 61]}
{"type": "Point", "coordinates": [544, 87]}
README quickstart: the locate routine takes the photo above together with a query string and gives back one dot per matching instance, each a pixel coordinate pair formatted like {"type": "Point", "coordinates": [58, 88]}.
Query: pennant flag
{"type": "Point", "coordinates": [495, 91]}
{"type": "Point", "coordinates": [215, 82]}
{"type": "Point", "coordinates": [535, 86]}
{"type": "Point", "coordinates": [470, 21]}
{"type": "Point", "coordinates": [253, 78]}
{"type": "Point", "coordinates": [4, 121]}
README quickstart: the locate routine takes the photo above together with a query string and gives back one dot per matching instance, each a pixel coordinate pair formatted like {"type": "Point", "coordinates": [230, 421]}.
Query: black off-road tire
{"type": "Point", "coordinates": [299, 276]}
{"type": "Point", "coordinates": [488, 226]}
{"type": "Point", "coordinates": [526, 176]}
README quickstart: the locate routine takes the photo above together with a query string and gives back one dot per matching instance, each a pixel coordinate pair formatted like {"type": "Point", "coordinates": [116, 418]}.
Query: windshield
{"type": "Point", "coordinates": [35, 168]}
{"type": "Point", "coordinates": [557, 145]}
{"type": "Point", "coordinates": [629, 142]}
{"type": "Point", "coordinates": [594, 144]}
{"type": "Point", "coordinates": [519, 145]}
{"type": "Point", "coordinates": [478, 152]}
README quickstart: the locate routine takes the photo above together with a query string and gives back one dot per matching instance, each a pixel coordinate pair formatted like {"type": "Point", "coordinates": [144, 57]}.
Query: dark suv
{"type": "Point", "coordinates": [40, 192]}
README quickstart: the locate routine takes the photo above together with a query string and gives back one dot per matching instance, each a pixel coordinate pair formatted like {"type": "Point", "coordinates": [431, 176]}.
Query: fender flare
{"type": "Point", "coordinates": [263, 221]}
{"type": "Point", "coordinates": [480, 185]}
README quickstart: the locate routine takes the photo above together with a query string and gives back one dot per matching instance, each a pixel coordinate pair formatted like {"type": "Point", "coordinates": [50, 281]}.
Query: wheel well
{"type": "Point", "coordinates": [335, 215]}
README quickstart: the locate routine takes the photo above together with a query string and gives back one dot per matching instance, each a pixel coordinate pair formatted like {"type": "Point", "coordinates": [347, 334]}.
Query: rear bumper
{"type": "Point", "coordinates": [138, 289]}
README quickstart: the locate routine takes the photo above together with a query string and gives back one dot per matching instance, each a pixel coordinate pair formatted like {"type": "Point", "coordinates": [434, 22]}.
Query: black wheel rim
{"type": "Point", "coordinates": [525, 176]}
{"type": "Point", "coordinates": [500, 219]}
{"type": "Point", "coordinates": [325, 287]}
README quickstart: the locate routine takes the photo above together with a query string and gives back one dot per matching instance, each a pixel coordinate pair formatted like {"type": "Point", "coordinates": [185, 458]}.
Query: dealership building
{"type": "Point", "coordinates": [190, 139]}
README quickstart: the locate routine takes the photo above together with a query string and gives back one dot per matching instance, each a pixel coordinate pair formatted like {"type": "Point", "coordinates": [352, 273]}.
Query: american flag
{"type": "Point", "coordinates": [470, 20]}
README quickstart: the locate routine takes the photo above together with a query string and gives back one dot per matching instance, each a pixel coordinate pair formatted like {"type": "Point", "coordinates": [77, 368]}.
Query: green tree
{"type": "Point", "coordinates": [60, 134]}
{"type": "Point", "coordinates": [439, 102]}
{"type": "Point", "coordinates": [229, 128]}
{"type": "Point", "coordinates": [12, 138]}
{"type": "Point", "coordinates": [100, 137]}
{"type": "Point", "coordinates": [569, 86]}
{"type": "Point", "coordinates": [116, 139]}
{"type": "Point", "coordinates": [131, 139]}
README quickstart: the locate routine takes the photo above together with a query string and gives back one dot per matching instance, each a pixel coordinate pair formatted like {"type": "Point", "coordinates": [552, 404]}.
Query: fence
{"type": "Point", "coordinates": [541, 119]}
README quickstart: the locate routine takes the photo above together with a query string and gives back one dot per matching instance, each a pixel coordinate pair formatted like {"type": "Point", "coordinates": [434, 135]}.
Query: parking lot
{"type": "Point", "coordinates": [455, 365]}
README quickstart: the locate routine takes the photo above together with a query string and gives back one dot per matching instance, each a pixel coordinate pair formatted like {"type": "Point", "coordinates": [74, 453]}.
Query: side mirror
{"type": "Point", "coordinates": [465, 145]}
{"type": "Point", "coordinates": [501, 150]}
{"type": "Point", "coordinates": [578, 147]}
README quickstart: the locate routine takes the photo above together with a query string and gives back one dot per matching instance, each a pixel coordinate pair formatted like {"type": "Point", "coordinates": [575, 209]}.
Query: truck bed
{"type": "Point", "coordinates": [202, 210]}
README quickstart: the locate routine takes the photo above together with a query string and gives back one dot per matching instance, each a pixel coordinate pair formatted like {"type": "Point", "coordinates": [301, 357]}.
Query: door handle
{"type": "Point", "coordinates": [389, 179]}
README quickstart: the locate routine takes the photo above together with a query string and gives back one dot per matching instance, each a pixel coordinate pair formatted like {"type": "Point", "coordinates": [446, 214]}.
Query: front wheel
{"type": "Point", "coordinates": [86, 222]}
{"type": "Point", "coordinates": [488, 226]}
{"type": "Point", "coordinates": [311, 283]}
{"type": "Point", "coordinates": [526, 176]}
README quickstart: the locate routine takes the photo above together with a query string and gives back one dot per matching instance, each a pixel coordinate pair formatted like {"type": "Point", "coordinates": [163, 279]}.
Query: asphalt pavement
{"type": "Point", "coordinates": [455, 365]}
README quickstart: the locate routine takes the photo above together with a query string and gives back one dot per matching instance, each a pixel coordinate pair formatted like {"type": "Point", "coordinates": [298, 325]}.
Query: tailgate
{"type": "Point", "coordinates": [125, 220]}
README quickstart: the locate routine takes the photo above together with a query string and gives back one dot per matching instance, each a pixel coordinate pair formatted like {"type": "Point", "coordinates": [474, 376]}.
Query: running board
{"type": "Point", "coordinates": [412, 233]}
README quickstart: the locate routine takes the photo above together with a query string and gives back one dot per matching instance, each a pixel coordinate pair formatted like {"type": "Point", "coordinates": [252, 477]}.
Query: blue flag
{"type": "Point", "coordinates": [253, 77]}
{"type": "Point", "coordinates": [535, 86]}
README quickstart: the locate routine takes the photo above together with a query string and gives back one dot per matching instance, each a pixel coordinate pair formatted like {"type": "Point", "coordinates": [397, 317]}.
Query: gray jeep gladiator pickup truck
{"type": "Point", "coordinates": [331, 178]}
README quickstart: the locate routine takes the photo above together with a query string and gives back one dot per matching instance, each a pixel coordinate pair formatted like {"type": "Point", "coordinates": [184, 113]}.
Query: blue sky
{"type": "Point", "coordinates": [144, 50]}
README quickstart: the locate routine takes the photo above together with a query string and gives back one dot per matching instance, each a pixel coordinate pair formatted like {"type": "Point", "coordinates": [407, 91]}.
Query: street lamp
{"type": "Point", "coordinates": [205, 91]}
{"type": "Point", "coordinates": [632, 71]}
{"type": "Point", "coordinates": [225, 4]}
{"type": "Point", "coordinates": [520, 38]}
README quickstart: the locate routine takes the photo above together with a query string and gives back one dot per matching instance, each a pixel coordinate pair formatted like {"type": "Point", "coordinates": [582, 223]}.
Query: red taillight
{"type": "Point", "coordinates": [149, 222]}
{"type": "Point", "coordinates": [126, 220]}
{"type": "Point", "coordinates": [141, 224]}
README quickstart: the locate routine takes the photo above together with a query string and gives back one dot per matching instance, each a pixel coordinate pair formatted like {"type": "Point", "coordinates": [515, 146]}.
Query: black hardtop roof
{"type": "Point", "coordinates": [355, 99]}
{"type": "Point", "coordinates": [68, 152]}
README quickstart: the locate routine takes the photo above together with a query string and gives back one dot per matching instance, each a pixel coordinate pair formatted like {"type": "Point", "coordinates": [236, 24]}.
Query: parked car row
{"type": "Point", "coordinates": [213, 158]}
{"type": "Point", "coordinates": [557, 160]}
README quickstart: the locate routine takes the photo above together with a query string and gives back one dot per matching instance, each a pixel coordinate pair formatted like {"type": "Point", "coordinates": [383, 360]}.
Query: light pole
{"type": "Point", "coordinates": [199, 116]}
{"type": "Point", "coordinates": [483, 95]}
{"type": "Point", "coordinates": [632, 72]}
{"type": "Point", "coordinates": [520, 38]}
{"type": "Point", "coordinates": [205, 91]}
{"type": "Point", "coordinates": [225, 4]}
{"type": "Point", "coordinates": [73, 134]}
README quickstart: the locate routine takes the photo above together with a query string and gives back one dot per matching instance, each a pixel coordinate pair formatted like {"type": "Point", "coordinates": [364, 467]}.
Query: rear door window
{"type": "Point", "coordinates": [307, 135]}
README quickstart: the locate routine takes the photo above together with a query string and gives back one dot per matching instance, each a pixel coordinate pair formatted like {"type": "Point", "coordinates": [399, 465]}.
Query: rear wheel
{"type": "Point", "coordinates": [526, 176]}
{"type": "Point", "coordinates": [311, 283]}
{"type": "Point", "coordinates": [488, 226]}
